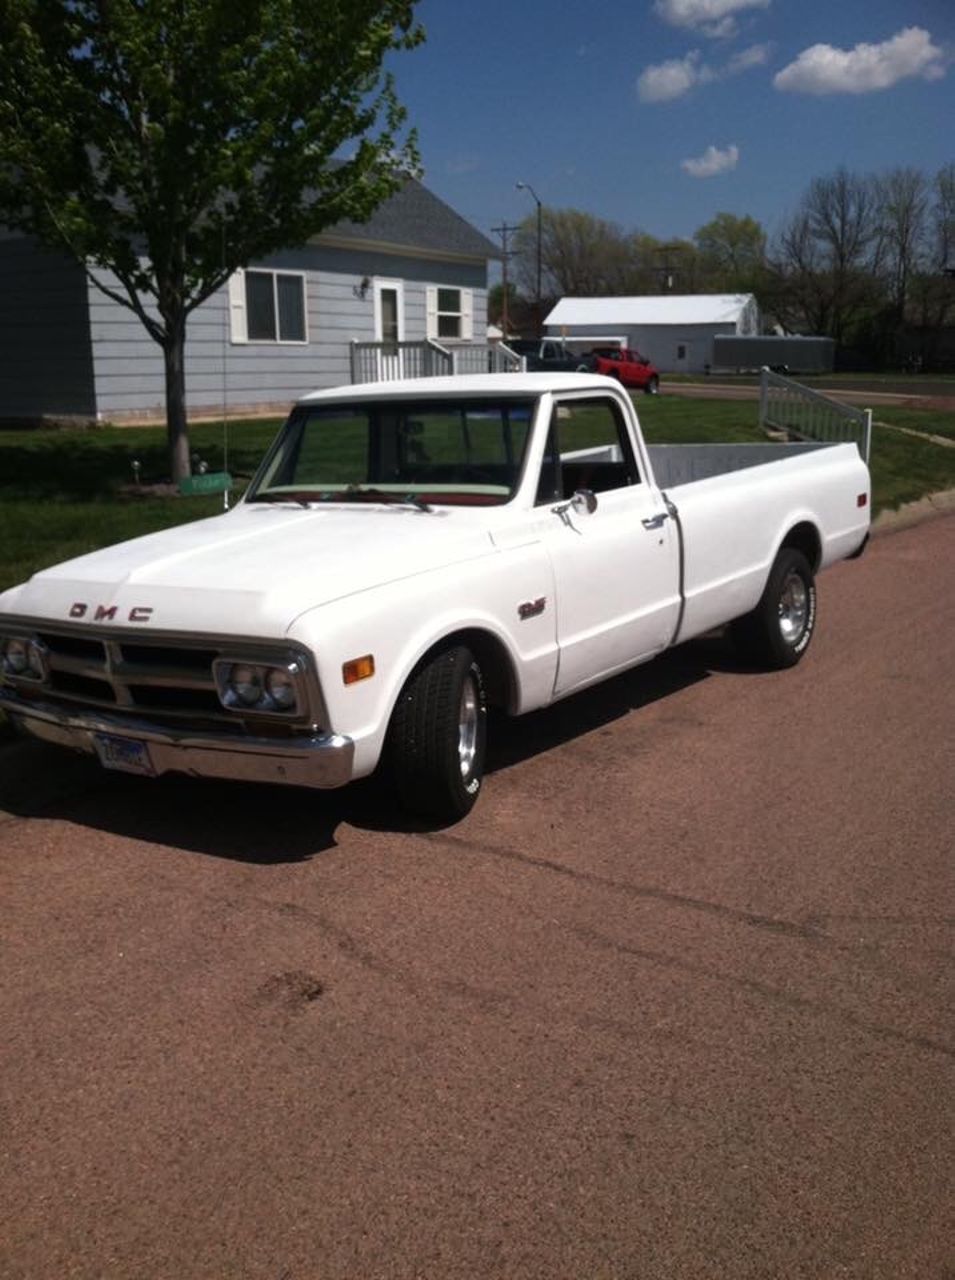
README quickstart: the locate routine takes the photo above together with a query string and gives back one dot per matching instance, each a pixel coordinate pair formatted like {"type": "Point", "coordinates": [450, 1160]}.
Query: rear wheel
{"type": "Point", "coordinates": [779, 630]}
{"type": "Point", "coordinates": [438, 734]}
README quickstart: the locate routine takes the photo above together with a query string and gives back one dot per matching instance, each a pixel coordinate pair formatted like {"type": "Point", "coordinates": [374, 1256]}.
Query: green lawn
{"type": "Point", "coordinates": [935, 422]}
{"type": "Point", "coordinates": [63, 493]}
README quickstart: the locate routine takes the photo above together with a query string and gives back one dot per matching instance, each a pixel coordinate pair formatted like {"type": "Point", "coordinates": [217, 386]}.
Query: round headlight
{"type": "Point", "coordinates": [246, 684]}
{"type": "Point", "coordinates": [16, 657]}
{"type": "Point", "coordinates": [281, 688]}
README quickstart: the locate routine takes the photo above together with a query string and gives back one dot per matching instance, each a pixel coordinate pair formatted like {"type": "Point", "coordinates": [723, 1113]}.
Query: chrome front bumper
{"type": "Point", "coordinates": [322, 761]}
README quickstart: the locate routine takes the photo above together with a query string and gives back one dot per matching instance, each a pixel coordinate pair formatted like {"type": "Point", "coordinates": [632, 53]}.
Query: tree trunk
{"type": "Point", "coordinates": [178, 431]}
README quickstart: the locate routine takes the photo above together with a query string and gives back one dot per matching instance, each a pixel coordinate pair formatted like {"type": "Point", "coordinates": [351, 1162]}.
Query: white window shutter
{"type": "Point", "coordinates": [431, 293]}
{"type": "Point", "coordinates": [238, 323]}
{"type": "Point", "coordinates": [467, 315]}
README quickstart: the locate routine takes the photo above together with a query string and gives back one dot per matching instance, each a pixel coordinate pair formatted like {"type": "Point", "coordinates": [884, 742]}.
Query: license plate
{"type": "Point", "coordinates": [128, 754]}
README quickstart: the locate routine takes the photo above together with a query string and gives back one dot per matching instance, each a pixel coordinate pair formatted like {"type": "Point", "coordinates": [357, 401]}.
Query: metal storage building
{"type": "Point", "coordinates": [674, 331]}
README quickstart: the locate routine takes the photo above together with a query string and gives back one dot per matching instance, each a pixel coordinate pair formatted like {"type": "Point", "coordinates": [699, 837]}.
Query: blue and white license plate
{"type": "Point", "coordinates": [128, 754]}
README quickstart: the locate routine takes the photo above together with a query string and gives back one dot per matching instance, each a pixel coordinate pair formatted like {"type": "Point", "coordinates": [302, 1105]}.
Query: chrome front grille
{"type": "Point", "coordinates": [145, 677]}
{"type": "Point", "coordinates": [166, 679]}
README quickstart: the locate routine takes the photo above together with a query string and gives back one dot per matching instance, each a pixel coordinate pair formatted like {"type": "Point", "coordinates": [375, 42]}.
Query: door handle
{"type": "Point", "coordinates": [654, 522]}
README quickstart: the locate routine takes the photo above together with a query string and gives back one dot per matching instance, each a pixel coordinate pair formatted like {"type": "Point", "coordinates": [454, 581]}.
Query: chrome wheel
{"type": "Point", "coordinates": [469, 714]}
{"type": "Point", "coordinates": [793, 608]}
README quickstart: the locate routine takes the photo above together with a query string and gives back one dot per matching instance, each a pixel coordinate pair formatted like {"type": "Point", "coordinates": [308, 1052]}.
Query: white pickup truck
{"type": "Point", "coordinates": [407, 553]}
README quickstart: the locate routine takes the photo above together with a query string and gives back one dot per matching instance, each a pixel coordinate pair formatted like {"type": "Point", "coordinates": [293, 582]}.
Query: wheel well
{"type": "Point", "coordinates": [805, 538]}
{"type": "Point", "coordinates": [500, 682]}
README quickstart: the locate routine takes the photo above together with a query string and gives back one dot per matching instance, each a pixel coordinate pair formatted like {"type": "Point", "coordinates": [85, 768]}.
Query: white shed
{"type": "Point", "coordinates": [674, 331]}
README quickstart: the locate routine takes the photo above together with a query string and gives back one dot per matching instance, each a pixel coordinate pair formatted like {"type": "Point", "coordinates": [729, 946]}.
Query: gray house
{"type": "Point", "coordinates": [416, 273]}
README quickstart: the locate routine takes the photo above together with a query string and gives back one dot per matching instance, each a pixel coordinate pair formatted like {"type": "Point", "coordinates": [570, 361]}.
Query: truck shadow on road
{"type": "Point", "coordinates": [270, 825]}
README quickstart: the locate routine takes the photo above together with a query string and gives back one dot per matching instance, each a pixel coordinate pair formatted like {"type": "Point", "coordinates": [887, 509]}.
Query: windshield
{"type": "Point", "coordinates": [461, 452]}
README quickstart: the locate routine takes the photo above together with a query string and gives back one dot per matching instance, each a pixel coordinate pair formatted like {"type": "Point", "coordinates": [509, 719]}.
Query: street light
{"type": "Point", "coordinates": [526, 186]}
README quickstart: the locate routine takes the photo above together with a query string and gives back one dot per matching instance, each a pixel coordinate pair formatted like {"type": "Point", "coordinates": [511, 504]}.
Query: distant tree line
{"type": "Point", "coordinates": [868, 260]}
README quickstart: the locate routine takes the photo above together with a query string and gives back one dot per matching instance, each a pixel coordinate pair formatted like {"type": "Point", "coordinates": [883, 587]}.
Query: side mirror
{"type": "Point", "coordinates": [584, 502]}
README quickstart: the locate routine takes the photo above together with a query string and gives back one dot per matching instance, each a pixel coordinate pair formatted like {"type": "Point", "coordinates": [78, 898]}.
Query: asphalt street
{"type": "Point", "coordinates": [674, 1001]}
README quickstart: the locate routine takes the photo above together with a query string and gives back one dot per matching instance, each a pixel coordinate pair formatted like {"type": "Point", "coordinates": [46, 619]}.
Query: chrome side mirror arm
{"type": "Point", "coordinates": [584, 502]}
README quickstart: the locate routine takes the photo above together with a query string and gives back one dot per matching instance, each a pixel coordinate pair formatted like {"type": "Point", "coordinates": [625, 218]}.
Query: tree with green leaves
{"type": "Point", "coordinates": [166, 143]}
{"type": "Point", "coordinates": [732, 252]}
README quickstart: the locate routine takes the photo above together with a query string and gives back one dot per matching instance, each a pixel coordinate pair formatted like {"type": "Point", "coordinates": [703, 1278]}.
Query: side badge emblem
{"type": "Point", "coordinates": [531, 608]}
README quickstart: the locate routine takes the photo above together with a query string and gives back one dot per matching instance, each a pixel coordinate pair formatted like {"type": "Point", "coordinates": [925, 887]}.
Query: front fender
{"type": "Point", "coordinates": [399, 623]}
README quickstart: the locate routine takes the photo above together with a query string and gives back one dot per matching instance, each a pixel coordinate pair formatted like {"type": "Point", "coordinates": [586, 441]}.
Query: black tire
{"type": "Point", "coordinates": [780, 629]}
{"type": "Point", "coordinates": [653, 386]}
{"type": "Point", "coordinates": [438, 735]}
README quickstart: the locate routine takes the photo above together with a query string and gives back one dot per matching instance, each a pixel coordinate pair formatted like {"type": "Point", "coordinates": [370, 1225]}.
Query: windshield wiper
{"type": "Point", "coordinates": [359, 491]}
{"type": "Point", "coordinates": [295, 499]}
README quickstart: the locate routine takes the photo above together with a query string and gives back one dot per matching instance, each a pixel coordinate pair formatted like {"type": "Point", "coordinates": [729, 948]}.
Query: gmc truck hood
{"type": "Point", "coordinates": [253, 571]}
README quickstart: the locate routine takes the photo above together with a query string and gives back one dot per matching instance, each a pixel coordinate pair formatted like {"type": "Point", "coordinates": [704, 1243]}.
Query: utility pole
{"type": "Point", "coordinates": [667, 268]}
{"type": "Point", "coordinates": [504, 231]}
{"type": "Point", "coordinates": [526, 186]}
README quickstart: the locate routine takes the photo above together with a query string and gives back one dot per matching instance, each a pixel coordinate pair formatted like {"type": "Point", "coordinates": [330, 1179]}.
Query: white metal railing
{"type": "Point", "coordinates": [389, 361]}
{"type": "Point", "coordinates": [785, 405]}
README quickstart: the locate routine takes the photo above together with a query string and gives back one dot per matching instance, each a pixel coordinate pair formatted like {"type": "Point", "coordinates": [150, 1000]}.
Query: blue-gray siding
{"type": "Point", "coordinates": [46, 364]}
{"type": "Point", "coordinates": [221, 374]}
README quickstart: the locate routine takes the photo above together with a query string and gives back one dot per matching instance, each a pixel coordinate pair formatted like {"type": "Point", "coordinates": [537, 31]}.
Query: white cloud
{"type": "Point", "coordinates": [715, 18]}
{"type": "Point", "coordinates": [757, 55]}
{"type": "Point", "coordinates": [865, 68]}
{"type": "Point", "coordinates": [675, 78]}
{"type": "Point", "coordinates": [712, 162]}
{"type": "Point", "coordinates": [672, 79]}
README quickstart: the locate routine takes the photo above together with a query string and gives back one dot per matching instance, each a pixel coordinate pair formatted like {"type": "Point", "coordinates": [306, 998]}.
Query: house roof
{"type": "Point", "coordinates": [668, 308]}
{"type": "Point", "coordinates": [414, 218]}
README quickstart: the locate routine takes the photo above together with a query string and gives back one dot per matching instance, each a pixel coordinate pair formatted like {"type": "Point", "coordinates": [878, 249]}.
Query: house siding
{"type": "Point", "coordinates": [230, 377]}
{"type": "Point", "coordinates": [46, 368]}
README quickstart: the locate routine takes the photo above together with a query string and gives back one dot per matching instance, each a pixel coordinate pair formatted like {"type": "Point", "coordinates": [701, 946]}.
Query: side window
{"type": "Point", "coordinates": [588, 447]}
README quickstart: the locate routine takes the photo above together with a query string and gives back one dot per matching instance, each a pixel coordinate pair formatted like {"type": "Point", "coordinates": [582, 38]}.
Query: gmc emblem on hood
{"type": "Point", "coordinates": [107, 613]}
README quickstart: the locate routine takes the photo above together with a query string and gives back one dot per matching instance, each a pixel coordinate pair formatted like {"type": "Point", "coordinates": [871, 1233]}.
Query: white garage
{"type": "Point", "coordinates": [674, 331]}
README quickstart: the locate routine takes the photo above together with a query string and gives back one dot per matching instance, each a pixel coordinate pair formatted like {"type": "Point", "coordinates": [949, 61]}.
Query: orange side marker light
{"type": "Point", "coordinates": [358, 669]}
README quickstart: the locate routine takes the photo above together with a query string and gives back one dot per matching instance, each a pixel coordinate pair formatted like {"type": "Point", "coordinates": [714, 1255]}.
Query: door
{"type": "Point", "coordinates": [683, 356]}
{"type": "Point", "coordinates": [389, 328]}
{"type": "Point", "coordinates": [616, 568]}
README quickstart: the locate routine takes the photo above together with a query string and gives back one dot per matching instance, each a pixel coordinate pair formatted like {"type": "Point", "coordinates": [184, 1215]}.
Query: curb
{"type": "Point", "coordinates": [912, 513]}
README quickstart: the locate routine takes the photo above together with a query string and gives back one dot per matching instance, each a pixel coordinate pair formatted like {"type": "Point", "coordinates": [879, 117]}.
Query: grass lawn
{"type": "Point", "coordinates": [935, 422]}
{"type": "Point", "coordinates": [63, 493]}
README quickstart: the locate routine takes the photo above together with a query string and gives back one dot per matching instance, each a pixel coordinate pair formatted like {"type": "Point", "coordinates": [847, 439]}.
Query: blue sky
{"type": "Point", "coordinates": [673, 110]}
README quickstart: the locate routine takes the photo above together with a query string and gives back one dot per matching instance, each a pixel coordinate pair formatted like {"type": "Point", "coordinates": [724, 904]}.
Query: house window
{"type": "Point", "coordinates": [268, 306]}
{"type": "Point", "coordinates": [449, 313]}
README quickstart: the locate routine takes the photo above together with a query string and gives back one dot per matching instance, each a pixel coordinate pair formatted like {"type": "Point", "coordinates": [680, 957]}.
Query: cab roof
{"type": "Point", "coordinates": [479, 384]}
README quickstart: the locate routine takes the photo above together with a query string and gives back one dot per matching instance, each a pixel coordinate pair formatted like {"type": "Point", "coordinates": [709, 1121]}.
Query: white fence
{"type": "Point", "coordinates": [389, 361]}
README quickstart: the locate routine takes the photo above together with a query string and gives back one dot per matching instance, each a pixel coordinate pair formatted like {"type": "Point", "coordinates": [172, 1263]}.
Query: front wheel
{"type": "Point", "coordinates": [438, 734]}
{"type": "Point", "coordinates": [779, 630]}
{"type": "Point", "coordinates": [653, 386]}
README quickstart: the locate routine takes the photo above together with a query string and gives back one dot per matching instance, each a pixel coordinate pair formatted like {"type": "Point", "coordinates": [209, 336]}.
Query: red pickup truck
{"type": "Point", "coordinates": [628, 367]}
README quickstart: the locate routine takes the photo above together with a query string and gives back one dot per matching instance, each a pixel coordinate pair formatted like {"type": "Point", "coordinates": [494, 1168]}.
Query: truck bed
{"type": "Point", "coordinates": [677, 464]}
